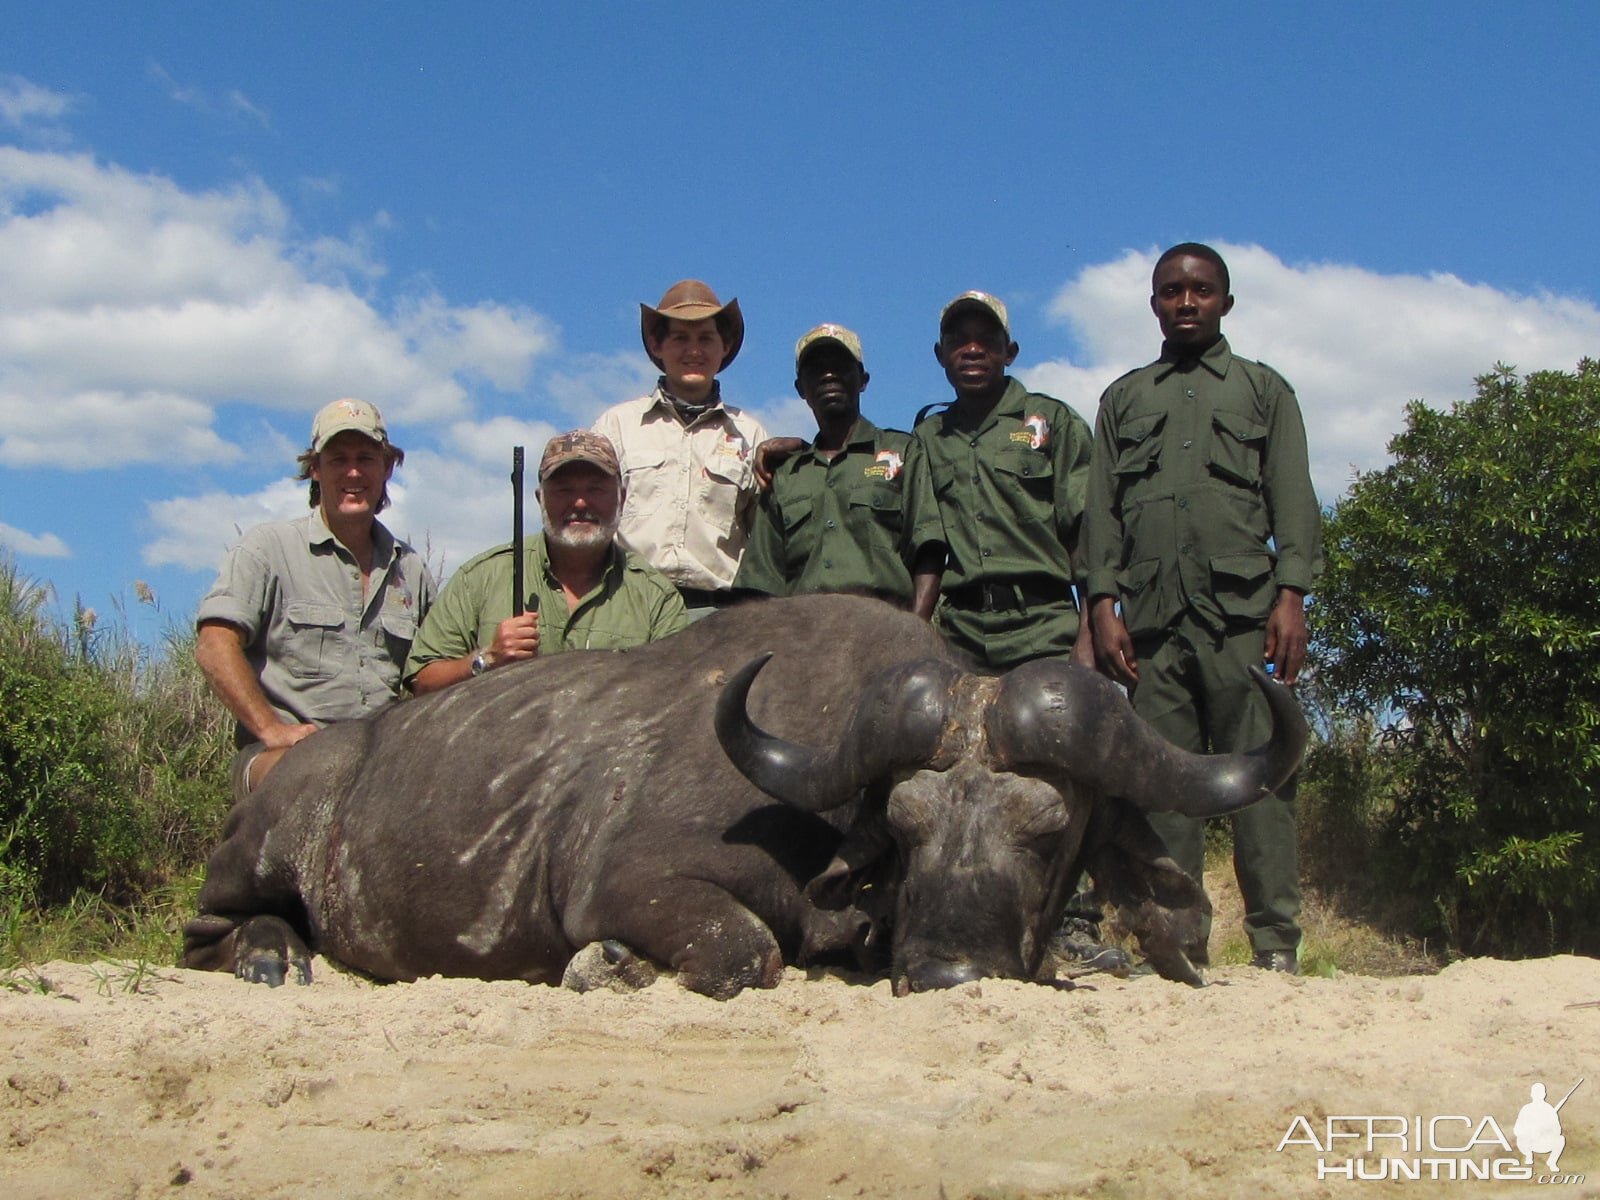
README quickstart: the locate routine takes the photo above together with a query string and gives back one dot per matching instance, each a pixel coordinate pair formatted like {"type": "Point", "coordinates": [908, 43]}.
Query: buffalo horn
{"type": "Point", "coordinates": [1053, 715]}
{"type": "Point", "coordinates": [898, 720]}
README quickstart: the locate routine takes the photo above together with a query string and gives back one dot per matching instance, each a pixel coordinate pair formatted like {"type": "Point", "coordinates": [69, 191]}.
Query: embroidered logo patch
{"type": "Point", "coordinates": [885, 465]}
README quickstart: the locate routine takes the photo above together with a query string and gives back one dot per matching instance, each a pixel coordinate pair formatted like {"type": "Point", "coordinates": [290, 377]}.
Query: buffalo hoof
{"type": "Point", "coordinates": [266, 948]}
{"type": "Point", "coordinates": [272, 970]}
{"type": "Point", "coordinates": [610, 965]}
{"type": "Point", "coordinates": [932, 975]}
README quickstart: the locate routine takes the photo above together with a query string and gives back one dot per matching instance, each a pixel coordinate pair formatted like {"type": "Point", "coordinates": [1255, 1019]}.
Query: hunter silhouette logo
{"type": "Point", "coordinates": [1538, 1127]}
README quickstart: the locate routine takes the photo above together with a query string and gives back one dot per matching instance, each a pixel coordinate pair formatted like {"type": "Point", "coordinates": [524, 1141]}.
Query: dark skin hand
{"type": "Point", "coordinates": [772, 454]}
{"type": "Point", "coordinates": [1287, 638]}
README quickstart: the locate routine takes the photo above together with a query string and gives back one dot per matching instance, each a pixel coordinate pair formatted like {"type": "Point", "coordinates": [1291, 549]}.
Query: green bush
{"type": "Point", "coordinates": [1459, 611]}
{"type": "Point", "coordinates": [112, 758]}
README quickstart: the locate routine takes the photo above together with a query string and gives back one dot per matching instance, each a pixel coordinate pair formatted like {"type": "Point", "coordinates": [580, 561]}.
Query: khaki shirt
{"type": "Point", "coordinates": [631, 605]}
{"type": "Point", "coordinates": [320, 653]}
{"type": "Point", "coordinates": [1006, 498]}
{"type": "Point", "coordinates": [691, 488]}
{"type": "Point", "coordinates": [833, 526]}
{"type": "Point", "coordinates": [1201, 493]}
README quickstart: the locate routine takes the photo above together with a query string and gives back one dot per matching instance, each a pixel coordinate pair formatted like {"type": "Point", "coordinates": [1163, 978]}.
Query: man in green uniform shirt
{"type": "Point", "coordinates": [585, 591]}
{"type": "Point", "coordinates": [995, 488]}
{"type": "Point", "coordinates": [831, 521]}
{"type": "Point", "coordinates": [1203, 524]}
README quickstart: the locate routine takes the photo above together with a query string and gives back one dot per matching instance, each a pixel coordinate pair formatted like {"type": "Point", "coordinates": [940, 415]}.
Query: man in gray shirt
{"type": "Point", "coordinates": [310, 620]}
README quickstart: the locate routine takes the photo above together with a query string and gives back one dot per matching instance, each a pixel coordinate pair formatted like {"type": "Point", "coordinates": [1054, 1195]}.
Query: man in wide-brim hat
{"type": "Point", "coordinates": [687, 458]}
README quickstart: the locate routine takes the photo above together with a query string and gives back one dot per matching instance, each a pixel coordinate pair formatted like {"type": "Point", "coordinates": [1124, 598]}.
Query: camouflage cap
{"type": "Point", "coordinates": [981, 301]}
{"type": "Point", "coordinates": [837, 334]}
{"type": "Point", "coordinates": [343, 416]}
{"type": "Point", "coordinates": [691, 300]}
{"type": "Point", "coordinates": [581, 445]}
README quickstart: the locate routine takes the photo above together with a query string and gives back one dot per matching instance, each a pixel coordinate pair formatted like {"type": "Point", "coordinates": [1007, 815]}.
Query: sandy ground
{"type": "Point", "coordinates": [126, 1085]}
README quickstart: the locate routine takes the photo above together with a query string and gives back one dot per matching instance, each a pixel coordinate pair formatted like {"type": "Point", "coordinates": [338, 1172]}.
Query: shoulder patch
{"type": "Point", "coordinates": [886, 465]}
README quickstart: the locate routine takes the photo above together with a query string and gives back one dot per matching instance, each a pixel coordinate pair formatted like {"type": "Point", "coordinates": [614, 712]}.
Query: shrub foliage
{"type": "Point", "coordinates": [1460, 605]}
{"type": "Point", "coordinates": [112, 759]}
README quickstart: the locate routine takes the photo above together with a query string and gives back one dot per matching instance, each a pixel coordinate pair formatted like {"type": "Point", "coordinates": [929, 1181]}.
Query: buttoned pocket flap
{"type": "Point", "coordinates": [309, 613]}
{"type": "Point", "coordinates": [1138, 442]}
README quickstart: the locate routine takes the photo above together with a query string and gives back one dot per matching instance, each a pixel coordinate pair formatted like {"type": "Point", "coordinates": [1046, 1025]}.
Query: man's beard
{"type": "Point", "coordinates": [580, 535]}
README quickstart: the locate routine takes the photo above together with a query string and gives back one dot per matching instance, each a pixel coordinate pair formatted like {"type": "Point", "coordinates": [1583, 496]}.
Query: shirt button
{"type": "Point", "coordinates": [1187, 443]}
{"type": "Point", "coordinates": [986, 554]}
{"type": "Point", "coordinates": [974, 479]}
{"type": "Point", "coordinates": [1190, 393]}
{"type": "Point", "coordinates": [974, 443]}
{"type": "Point", "coordinates": [830, 524]}
{"type": "Point", "coordinates": [1185, 549]}
{"type": "Point", "coordinates": [1183, 504]}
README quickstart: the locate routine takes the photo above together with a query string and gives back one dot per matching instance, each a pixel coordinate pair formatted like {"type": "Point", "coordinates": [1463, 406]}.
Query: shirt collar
{"type": "Point", "coordinates": [1216, 359]}
{"type": "Point", "coordinates": [682, 409]}
{"type": "Point", "coordinates": [318, 534]}
{"type": "Point", "coordinates": [864, 435]}
{"type": "Point", "coordinates": [610, 574]}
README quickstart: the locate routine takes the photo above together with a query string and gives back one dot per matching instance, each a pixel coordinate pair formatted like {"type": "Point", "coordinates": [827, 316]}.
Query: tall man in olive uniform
{"type": "Point", "coordinates": [585, 592]}
{"type": "Point", "coordinates": [995, 489]}
{"type": "Point", "coordinates": [1203, 525]}
{"type": "Point", "coordinates": [831, 521]}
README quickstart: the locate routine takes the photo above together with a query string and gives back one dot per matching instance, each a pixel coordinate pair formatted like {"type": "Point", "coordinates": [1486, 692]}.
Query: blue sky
{"type": "Point", "coordinates": [216, 217]}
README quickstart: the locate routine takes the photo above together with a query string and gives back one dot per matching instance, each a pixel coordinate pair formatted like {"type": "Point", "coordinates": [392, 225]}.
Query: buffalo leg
{"type": "Point", "coordinates": [717, 946]}
{"type": "Point", "coordinates": [243, 924]}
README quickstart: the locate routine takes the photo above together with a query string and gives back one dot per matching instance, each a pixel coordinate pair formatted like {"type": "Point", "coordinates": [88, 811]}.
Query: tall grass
{"type": "Point", "coordinates": [113, 787]}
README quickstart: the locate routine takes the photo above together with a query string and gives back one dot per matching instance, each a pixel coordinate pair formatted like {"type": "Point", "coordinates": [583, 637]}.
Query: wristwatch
{"type": "Point", "coordinates": [479, 663]}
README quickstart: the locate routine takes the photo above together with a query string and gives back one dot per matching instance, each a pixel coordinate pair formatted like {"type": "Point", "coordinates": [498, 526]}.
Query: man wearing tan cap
{"type": "Point", "coordinates": [310, 620]}
{"type": "Point", "coordinates": [585, 592]}
{"type": "Point", "coordinates": [831, 521]}
{"type": "Point", "coordinates": [995, 486]}
{"type": "Point", "coordinates": [686, 456]}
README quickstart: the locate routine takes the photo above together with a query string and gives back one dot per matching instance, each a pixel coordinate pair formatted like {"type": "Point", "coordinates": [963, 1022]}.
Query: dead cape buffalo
{"type": "Point", "coordinates": [494, 829]}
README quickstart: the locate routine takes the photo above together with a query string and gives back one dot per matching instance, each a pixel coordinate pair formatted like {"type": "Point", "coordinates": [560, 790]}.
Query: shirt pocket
{"type": "Point", "coordinates": [1243, 585]}
{"type": "Point", "coordinates": [880, 505]}
{"type": "Point", "coordinates": [645, 477]}
{"type": "Point", "coordinates": [724, 483]}
{"type": "Point", "coordinates": [399, 631]}
{"type": "Point", "coordinates": [312, 639]}
{"type": "Point", "coordinates": [1027, 477]}
{"type": "Point", "coordinates": [794, 516]}
{"type": "Point", "coordinates": [1139, 588]}
{"type": "Point", "coordinates": [1236, 445]}
{"type": "Point", "coordinates": [1139, 445]}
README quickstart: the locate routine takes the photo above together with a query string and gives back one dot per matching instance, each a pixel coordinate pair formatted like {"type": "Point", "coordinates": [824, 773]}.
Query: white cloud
{"type": "Point", "coordinates": [195, 531]}
{"type": "Point", "coordinates": [23, 103]}
{"type": "Point", "coordinates": [1356, 345]}
{"type": "Point", "coordinates": [592, 383]}
{"type": "Point", "coordinates": [119, 426]}
{"type": "Point", "coordinates": [488, 443]}
{"type": "Point", "coordinates": [124, 291]}
{"type": "Point", "coordinates": [232, 102]}
{"type": "Point", "coordinates": [44, 545]}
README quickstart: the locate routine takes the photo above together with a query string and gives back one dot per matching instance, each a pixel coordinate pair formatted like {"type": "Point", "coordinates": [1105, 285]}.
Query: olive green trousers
{"type": "Point", "coordinates": [1195, 690]}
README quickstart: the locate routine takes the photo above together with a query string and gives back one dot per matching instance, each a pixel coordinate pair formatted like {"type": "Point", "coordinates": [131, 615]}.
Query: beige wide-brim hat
{"type": "Point", "coordinates": [691, 300]}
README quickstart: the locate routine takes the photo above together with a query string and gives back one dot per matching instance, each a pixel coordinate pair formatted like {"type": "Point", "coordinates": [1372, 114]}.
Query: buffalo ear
{"type": "Point", "coordinates": [864, 848]}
